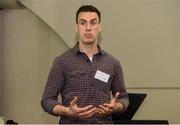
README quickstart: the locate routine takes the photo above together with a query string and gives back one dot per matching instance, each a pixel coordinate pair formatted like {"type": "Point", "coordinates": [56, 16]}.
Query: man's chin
{"type": "Point", "coordinates": [89, 41]}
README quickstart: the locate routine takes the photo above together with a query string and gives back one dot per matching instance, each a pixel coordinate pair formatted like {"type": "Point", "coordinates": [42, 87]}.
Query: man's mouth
{"type": "Point", "coordinates": [88, 35]}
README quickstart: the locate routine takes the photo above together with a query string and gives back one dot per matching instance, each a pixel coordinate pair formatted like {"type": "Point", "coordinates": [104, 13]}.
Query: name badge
{"type": "Point", "coordinates": [102, 76]}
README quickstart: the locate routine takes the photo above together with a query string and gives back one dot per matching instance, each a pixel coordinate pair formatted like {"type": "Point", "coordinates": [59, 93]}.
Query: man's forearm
{"type": "Point", "coordinates": [60, 110]}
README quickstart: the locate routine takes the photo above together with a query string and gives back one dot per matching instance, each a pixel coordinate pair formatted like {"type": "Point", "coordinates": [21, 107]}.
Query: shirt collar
{"type": "Point", "coordinates": [77, 51]}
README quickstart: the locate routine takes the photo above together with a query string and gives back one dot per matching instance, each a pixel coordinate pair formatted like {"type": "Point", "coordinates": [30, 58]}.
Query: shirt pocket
{"type": "Point", "coordinates": [76, 73]}
{"type": "Point", "coordinates": [75, 76]}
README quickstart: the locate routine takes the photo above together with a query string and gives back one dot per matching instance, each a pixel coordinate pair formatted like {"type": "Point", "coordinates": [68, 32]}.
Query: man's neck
{"type": "Point", "coordinates": [89, 49]}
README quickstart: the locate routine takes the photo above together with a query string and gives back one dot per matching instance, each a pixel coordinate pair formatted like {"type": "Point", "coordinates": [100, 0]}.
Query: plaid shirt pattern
{"type": "Point", "coordinates": [72, 74]}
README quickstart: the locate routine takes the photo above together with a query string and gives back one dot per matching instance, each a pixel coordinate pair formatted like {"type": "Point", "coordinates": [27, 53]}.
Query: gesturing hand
{"type": "Point", "coordinates": [108, 108]}
{"type": "Point", "coordinates": [77, 112]}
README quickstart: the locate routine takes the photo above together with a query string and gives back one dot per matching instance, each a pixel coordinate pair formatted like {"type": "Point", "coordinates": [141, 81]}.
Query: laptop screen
{"type": "Point", "coordinates": [135, 100]}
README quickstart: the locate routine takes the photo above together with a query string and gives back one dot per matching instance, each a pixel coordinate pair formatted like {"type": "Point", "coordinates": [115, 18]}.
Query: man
{"type": "Point", "coordinates": [85, 75]}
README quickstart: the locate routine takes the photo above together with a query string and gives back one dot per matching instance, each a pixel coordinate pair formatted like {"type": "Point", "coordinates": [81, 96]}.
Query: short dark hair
{"type": "Point", "coordinates": [88, 8]}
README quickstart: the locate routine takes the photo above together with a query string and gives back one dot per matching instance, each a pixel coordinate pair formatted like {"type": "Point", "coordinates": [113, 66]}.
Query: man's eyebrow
{"type": "Point", "coordinates": [94, 19]}
{"type": "Point", "coordinates": [87, 21]}
{"type": "Point", "coordinates": [83, 20]}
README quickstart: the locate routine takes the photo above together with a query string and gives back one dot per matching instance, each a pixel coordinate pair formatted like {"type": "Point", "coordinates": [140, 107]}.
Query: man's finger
{"type": "Point", "coordinates": [116, 97]}
{"type": "Point", "coordinates": [74, 101]}
{"type": "Point", "coordinates": [84, 109]}
{"type": "Point", "coordinates": [108, 105]}
{"type": "Point", "coordinates": [87, 113]}
{"type": "Point", "coordinates": [100, 111]}
{"type": "Point", "coordinates": [103, 112]}
{"type": "Point", "coordinates": [87, 116]}
{"type": "Point", "coordinates": [106, 109]}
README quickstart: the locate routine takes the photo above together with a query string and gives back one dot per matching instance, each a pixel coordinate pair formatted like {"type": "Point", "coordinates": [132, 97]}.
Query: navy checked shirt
{"type": "Point", "coordinates": [72, 74]}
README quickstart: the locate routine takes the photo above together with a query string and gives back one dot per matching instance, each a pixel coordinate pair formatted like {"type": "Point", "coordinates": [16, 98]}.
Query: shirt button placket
{"type": "Point", "coordinates": [92, 97]}
{"type": "Point", "coordinates": [92, 85]}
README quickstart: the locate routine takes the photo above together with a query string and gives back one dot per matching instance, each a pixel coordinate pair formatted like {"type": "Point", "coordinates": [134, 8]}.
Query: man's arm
{"type": "Point", "coordinates": [120, 101]}
{"type": "Point", "coordinates": [113, 106]}
{"type": "Point", "coordinates": [74, 111]}
{"type": "Point", "coordinates": [53, 87]}
{"type": "Point", "coordinates": [118, 85]}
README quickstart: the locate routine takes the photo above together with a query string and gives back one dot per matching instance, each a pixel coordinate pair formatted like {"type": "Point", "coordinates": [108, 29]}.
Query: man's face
{"type": "Point", "coordinates": [88, 27]}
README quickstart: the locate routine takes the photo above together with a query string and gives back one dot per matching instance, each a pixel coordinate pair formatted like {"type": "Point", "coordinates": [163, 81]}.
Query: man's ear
{"type": "Point", "coordinates": [100, 27]}
{"type": "Point", "coordinates": [76, 28]}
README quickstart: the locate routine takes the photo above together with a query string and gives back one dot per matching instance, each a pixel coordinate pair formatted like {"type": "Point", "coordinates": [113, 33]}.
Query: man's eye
{"type": "Point", "coordinates": [93, 23]}
{"type": "Point", "coordinates": [82, 23]}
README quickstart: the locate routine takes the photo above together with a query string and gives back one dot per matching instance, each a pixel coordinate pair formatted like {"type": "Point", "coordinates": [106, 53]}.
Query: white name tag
{"type": "Point", "coordinates": [102, 76]}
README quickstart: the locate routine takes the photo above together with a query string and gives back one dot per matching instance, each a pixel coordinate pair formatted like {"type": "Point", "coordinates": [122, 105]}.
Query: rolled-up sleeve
{"type": "Point", "coordinates": [53, 87]}
{"type": "Point", "coordinates": [118, 85]}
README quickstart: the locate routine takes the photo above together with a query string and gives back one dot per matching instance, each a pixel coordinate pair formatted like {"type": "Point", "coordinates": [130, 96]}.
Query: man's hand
{"type": "Point", "coordinates": [76, 112]}
{"type": "Point", "coordinates": [113, 106]}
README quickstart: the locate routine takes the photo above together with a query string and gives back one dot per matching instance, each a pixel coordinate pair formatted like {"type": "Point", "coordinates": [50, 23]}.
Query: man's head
{"type": "Point", "coordinates": [88, 8]}
{"type": "Point", "coordinates": [88, 24]}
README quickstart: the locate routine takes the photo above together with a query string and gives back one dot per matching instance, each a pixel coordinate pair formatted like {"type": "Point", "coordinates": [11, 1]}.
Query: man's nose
{"type": "Point", "coordinates": [88, 26]}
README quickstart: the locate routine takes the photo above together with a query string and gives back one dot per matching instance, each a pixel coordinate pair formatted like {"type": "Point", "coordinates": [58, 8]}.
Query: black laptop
{"type": "Point", "coordinates": [135, 100]}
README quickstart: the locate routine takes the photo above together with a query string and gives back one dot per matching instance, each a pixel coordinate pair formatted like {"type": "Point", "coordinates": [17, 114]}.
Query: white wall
{"type": "Point", "coordinates": [29, 48]}
{"type": "Point", "coordinates": [160, 104]}
{"type": "Point", "coordinates": [178, 35]}
{"type": "Point", "coordinates": [146, 41]}
{"type": "Point", "coordinates": [1, 62]}
{"type": "Point", "coordinates": [141, 33]}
